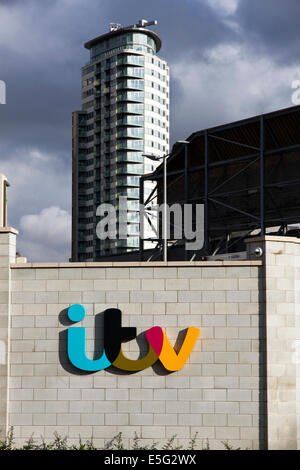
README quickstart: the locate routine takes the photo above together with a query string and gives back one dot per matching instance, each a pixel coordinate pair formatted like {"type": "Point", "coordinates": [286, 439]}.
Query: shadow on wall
{"type": "Point", "coordinates": [263, 412]}
{"type": "Point", "coordinates": [141, 340]}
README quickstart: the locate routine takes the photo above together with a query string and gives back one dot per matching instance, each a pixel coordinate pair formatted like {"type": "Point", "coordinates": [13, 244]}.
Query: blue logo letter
{"type": "Point", "coordinates": [76, 344]}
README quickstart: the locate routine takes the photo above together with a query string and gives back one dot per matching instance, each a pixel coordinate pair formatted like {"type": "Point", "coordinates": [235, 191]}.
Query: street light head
{"type": "Point", "coordinates": [151, 157]}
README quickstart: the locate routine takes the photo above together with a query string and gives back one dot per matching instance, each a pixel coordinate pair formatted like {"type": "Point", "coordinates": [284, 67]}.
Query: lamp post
{"type": "Point", "coordinates": [165, 213]}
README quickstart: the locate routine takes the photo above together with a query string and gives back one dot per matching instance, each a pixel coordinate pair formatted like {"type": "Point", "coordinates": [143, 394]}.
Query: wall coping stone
{"type": "Point", "coordinates": [273, 238]}
{"type": "Point", "coordinates": [143, 264]}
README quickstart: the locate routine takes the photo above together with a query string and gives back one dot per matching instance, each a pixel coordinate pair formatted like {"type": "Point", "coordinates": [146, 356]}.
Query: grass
{"type": "Point", "coordinates": [116, 443]}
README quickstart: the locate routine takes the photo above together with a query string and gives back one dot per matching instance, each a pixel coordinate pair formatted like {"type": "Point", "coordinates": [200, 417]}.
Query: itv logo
{"type": "Point", "coordinates": [115, 334]}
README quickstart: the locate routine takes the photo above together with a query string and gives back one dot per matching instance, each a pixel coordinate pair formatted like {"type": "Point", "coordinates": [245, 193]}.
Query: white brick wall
{"type": "Point", "coordinates": [212, 395]}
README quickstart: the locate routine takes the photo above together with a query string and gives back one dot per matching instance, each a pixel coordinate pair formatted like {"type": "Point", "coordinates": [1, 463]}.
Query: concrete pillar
{"type": "Point", "coordinates": [7, 256]}
{"type": "Point", "coordinates": [281, 257]}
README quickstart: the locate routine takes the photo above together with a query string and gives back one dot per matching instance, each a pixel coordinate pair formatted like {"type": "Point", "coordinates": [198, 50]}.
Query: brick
{"type": "Point", "coordinates": [129, 382]}
{"type": "Point", "coordinates": [117, 273]}
{"type": "Point", "coordinates": [153, 432]}
{"type": "Point", "coordinates": [89, 297]}
{"type": "Point", "coordinates": [176, 382]}
{"type": "Point", "coordinates": [165, 296]}
{"type": "Point", "coordinates": [214, 419]}
{"type": "Point", "coordinates": [239, 420]}
{"type": "Point", "coordinates": [165, 394]}
{"type": "Point", "coordinates": [127, 406]}
{"type": "Point", "coordinates": [57, 285]}
{"type": "Point", "coordinates": [153, 284]}
{"type": "Point", "coordinates": [168, 419]}
{"type": "Point", "coordinates": [118, 296]}
{"type": "Point", "coordinates": [44, 419]}
{"type": "Point", "coordinates": [45, 394]}
{"type": "Point", "coordinates": [226, 432]}
{"type": "Point", "coordinates": [106, 406]}
{"type": "Point", "coordinates": [68, 419]}
{"type": "Point", "coordinates": [48, 274]}
{"type": "Point", "coordinates": [203, 407]}
{"type": "Point", "coordinates": [33, 406]}
{"type": "Point", "coordinates": [238, 296]}
{"type": "Point", "coordinates": [239, 320]}
{"type": "Point", "coordinates": [227, 407]}
{"type": "Point", "coordinates": [213, 344]}
{"type": "Point", "coordinates": [21, 419]}
{"type": "Point", "coordinates": [85, 432]}
{"type": "Point", "coordinates": [228, 332]}
{"type": "Point", "coordinates": [23, 297]}
{"type": "Point", "coordinates": [153, 382]}
{"type": "Point", "coordinates": [179, 309]}
{"type": "Point", "coordinates": [214, 296]}
{"type": "Point", "coordinates": [34, 285]}
{"type": "Point", "coordinates": [214, 320]}
{"type": "Point", "coordinates": [68, 394]}
{"type": "Point", "coordinates": [141, 296]}
{"type": "Point", "coordinates": [141, 273]}
{"type": "Point", "coordinates": [214, 395]}
{"type": "Point", "coordinates": [178, 407]}
{"type": "Point", "coordinates": [190, 296]}
{"type": "Point", "coordinates": [248, 284]}
{"type": "Point", "coordinates": [136, 419]}
{"type": "Point", "coordinates": [190, 420]}
{"type": "Point", "coordinates": [56, 406]}
{"type": "Point", "coordinates": [226, 284]}
{"type": "Point", "coordinates": [82, 406]}
{"type": "Point", "coordinates": [21, 394]}
{"type": "Point", "coordinates": [93, 273]}
{"type": "Point", "coordinates": [238, 272]}
{"type": "Point", "coordinates": [226, 382]}
{"type": "Point", "coordinates": [47, 297]}
{"type": "Point", "coordinates": [239, 395]}
{"type": "Point", "coordinates": [176, 284]}
{"type": "Point", "coordinates": [117, 419]}
{"type": "Point", "coordinates": [116, 394]}
{"type": "Point", "coordinates": [165, 273]}
{"type": "Point", "coordinates": [20, 274]}
{"type": "Point", "coordinates": [202, 382]}
{"type": "Point", "coordinates": [226, 358]}
{"type": "Point", "coordinates": [105, 382]}
{"type": "Point", "coordinates": [201, 284]}
{"type": "Point", "coordinates": [81, 285]}
{"type": "Point", "coordinates": [93, 419]}
{"type": "Point", "coordinates": [70, 273]}
{"type": "Point", "coordinates": [157, 308]}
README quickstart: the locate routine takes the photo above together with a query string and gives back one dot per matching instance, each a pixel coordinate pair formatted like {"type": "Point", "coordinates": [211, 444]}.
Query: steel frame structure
{"type": "Point", "coordinates": [245, 174]}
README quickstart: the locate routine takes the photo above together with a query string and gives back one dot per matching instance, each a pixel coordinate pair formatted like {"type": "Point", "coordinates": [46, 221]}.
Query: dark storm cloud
{"type": "Point", "coordinates": [273, 26]}
{"type": "Point", "coordinates": [43, 89]}
{"type": "Point", "coordinates": [9, 2]}
{"type": "Point", "coordinates": [186, 27]}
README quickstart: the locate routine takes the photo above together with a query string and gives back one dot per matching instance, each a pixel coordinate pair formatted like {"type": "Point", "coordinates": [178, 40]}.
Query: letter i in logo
{"type": "Point", "coordinates": [76, 344]}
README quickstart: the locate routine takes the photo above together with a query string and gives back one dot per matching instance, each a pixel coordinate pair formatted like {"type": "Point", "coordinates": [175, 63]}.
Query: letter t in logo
{"type": "Point", "coordinates": [114, 333]}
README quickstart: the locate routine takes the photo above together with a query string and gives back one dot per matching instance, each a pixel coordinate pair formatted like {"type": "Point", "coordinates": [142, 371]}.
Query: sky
{"type": "Point", "coordinates": [229, 60]}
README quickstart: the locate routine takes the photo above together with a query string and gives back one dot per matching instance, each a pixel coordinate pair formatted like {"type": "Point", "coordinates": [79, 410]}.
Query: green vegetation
{"type": "Point", "coordinates": [61, 443]}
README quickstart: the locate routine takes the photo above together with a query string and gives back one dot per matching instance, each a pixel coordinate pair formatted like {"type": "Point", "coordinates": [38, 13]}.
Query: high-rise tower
{"type": "Point", "coordinates": [124, 115]}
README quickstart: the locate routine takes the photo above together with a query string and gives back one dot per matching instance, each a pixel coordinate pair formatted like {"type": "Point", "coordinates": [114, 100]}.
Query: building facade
{"type": "Point", "coordinates": [124, 116]}
{"type": "Point", "coordinates": [240, 383]}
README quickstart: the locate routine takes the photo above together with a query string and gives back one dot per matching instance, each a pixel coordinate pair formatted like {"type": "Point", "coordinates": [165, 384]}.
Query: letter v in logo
{"type": "Point", "coordinates": [76, 344]}
{"type": "Point", "coordinates": [164, 350]}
